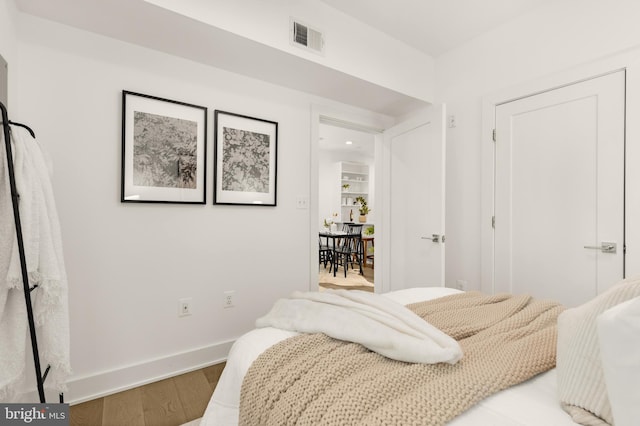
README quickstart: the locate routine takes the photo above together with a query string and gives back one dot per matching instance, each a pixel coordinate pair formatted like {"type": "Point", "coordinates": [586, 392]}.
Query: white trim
{"type": "Point", "coordinates": [381, 260]}
{"type": "Point", "coordinates": [332, 121]}
{"type": "Point", "coordinates": [98, 385]}
{"type": "Point", "coordinates": [628, 60]}
{"type": "Point", "coordinates": [487, 197]}
{"type": "Point", "coordinates": [314, 193]}
{"type": "Point", "coordinates": [383, 171]}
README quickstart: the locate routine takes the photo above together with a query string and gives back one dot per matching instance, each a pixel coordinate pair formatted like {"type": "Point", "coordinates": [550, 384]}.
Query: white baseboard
{"type": "Point", "coordinates": [97, 385]}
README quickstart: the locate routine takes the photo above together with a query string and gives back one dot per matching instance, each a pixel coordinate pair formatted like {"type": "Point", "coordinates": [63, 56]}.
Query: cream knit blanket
{"type": "Point", "coordinates": [312, 379]}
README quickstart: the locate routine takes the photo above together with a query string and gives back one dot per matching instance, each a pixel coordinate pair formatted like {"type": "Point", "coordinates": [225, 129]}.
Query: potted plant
{"type": "Point", "coordinates": [364, 209]}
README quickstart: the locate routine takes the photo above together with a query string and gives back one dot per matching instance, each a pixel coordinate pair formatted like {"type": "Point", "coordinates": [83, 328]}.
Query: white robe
{"type": "Point", "coordinates": [45, 266]}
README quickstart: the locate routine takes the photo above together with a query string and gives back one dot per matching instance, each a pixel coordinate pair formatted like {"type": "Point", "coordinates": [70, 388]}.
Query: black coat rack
{"type": "Point", "coordinates": [15, 198]}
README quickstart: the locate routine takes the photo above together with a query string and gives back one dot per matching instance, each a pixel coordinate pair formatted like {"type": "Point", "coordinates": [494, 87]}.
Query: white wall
{"type": "Point", "coordinates": [128, 264]}
{"type": "Point", "coordinates": [328, 186]}
{"type": "Point", "coordinates": [8, 46]}
{"type": "Point", "coordinates": [550, 40]}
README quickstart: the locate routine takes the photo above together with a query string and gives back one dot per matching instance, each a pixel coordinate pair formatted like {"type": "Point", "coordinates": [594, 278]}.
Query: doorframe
{"type": "Point", "coordinates": [366, 121]}
{"type": "Point", "coordinates": [628, 61]}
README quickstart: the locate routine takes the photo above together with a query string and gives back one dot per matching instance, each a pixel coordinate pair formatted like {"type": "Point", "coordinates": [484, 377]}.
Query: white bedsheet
{"type": "Point", "coordinates": [532, 403]}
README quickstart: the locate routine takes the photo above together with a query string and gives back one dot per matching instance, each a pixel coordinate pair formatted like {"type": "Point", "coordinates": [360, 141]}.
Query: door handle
{"type": "Point", "coordinates": [434, 237]}
{"type": "Point", "coordinates": [605, 247]}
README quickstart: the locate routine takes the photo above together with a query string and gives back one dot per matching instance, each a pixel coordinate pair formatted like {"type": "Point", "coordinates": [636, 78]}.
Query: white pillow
{"type": "Point", "coordinates": [581, 386]}
{"type": "Point", "coordinates": [619, 336]}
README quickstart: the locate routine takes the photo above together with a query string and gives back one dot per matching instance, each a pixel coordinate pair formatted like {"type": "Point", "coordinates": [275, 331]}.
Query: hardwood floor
{"type": "Point", "coordinates": [367, 274]}
{"type": "Point", "coordinates": [169, 402]}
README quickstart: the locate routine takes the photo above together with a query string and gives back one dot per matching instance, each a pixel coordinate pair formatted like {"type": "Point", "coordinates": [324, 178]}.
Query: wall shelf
{"type": "Point", "coordinates": [356, 175]}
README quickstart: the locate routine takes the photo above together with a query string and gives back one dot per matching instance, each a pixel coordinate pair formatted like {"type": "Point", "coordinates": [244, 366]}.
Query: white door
{"type": "Point", "coordinates": [416, 201]}
{"type": "Point", "coordinates": [559, 191]}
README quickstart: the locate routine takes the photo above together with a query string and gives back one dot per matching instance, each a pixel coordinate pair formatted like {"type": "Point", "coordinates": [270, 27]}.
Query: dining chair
{"type": "Point", "coordinates": [348, 251]}
{"type": "Point", "coordinates": [325, 252]}
{"type": "Point", "coordinates": [352, 228]}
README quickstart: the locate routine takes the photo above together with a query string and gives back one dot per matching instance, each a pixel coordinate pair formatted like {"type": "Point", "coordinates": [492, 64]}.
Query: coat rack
{"type": "Point", "coordinates": [15, 198]}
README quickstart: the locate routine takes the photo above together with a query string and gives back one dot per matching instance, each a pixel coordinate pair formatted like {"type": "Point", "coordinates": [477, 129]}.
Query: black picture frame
{"type": "Point", "coordinates": [246, 160]}
{"type": "Point", "coordinates": [164, 150]}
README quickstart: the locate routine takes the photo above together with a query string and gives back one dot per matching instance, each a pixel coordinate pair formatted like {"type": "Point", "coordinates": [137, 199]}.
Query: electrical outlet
{"type": "Point", "coordinates": [184, 307]}
{"type": "Point", "coordinates": [461, 284]}
{"type": "Point", "coordinates": [302, 202]}
{"type": "Point", "coordinates": [228, 301]}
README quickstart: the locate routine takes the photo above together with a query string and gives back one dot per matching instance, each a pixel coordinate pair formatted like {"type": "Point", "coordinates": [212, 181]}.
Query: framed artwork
{"type": "Point", "coordinates": [246, 152]}
{"type": "Point", "coordinates": [164, 150]}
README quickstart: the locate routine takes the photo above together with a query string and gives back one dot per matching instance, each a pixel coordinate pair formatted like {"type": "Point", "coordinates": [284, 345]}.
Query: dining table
{"type": "Point", "coordinates": [365, 249]}
{"type": "Point", "coordinates": [333, 236]}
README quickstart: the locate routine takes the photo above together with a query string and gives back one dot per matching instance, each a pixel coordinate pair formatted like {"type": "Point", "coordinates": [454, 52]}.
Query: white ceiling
{"type": "Point", "coordinates": [431, 26]}
{"type": "Point", "coordinates": [435, 26]}
{"type": "Point", "coordinates": [333, 138]}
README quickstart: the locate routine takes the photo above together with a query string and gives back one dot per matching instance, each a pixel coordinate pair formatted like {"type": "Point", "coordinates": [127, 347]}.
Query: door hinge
{"type": "Point", "coordinates": [493, 222]}
{"type": "Point", "coordinates": [494, 135]}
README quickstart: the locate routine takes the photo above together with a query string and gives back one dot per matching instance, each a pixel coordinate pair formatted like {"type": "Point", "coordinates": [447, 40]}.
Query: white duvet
{"type": "Point", "coordinates": [532, 403]}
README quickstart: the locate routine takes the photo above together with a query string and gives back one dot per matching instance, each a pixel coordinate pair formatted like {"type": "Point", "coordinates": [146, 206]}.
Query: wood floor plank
{"type": "Point", "coordinates": [167, 403]}
{"type": "Point", "coordinates": [194, 391]}
{"type": "Point", "coordinates": [123, 409]}
{"type": "Point", "coordinates": [87, 414]}
{"type": "Point", "coordinates": [213, 373]}
{"type": "Point", "coordinates": [162, 406]}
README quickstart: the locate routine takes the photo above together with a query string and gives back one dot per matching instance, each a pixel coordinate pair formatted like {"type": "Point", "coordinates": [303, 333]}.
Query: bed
{"type": "Point", "coordinates": [532, 402]}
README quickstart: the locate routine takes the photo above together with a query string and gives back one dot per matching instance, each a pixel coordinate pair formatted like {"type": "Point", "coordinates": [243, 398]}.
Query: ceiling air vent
{"type": "Point", "coordinates": [304, 36]}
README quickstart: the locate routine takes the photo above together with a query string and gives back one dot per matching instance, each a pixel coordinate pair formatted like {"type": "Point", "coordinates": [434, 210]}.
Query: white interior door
{"type": "Point", "coordinates": [416, 201]}
{"type": "Point", "coordinates": [559, 191]}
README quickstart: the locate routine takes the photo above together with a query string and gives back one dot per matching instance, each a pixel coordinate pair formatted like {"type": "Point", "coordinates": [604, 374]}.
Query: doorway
{"type": "Point", "coordinates": [559, 191]}
{"type": "Point", "coordinates": [423, 136]}
{"type": "Point", "coordinates": [346, 174]}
